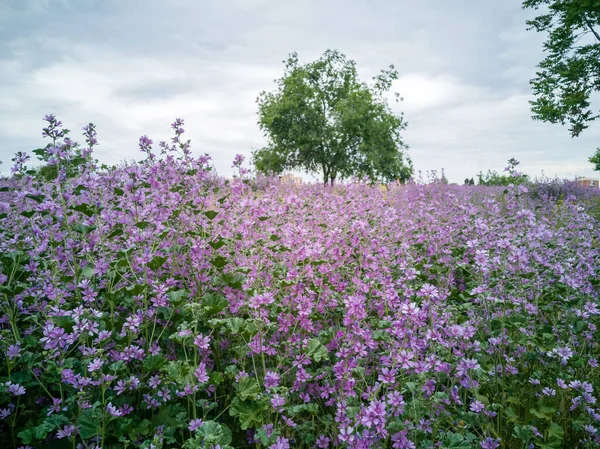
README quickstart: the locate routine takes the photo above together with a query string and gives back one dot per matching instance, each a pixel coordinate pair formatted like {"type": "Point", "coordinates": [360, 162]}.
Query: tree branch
{"type": "Point", "coordinates": [587, 22]}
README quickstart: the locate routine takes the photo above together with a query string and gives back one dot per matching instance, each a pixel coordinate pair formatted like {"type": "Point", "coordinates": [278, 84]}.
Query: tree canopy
{"type": "Point", "coordinates": [321, 118]}
{"type": "Point", "coordinates": [570, 72]}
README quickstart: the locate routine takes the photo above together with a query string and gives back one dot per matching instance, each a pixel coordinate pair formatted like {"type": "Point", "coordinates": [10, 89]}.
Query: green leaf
{"type": "Point", "coordinates": [178, 296]}
{"type": "Point", "coordinates": [219, 262]}
{"type": "Point", "coordinates": [316, 350]}
{"type": "Point", "coordinates": [482, 399]}
{"type": "Point", "coordinates": [216, 378]}
{"type": "Point", "coordinates": [115, 233]}
{"type": "Point", "coordinates": [211, 214]}
{"type": "Point", "coordinates": [233, 280]}
{"type": "Point", "coordinates": [523, 433]}
{"type": "Point", "coordinates": [234, 324]}
{"type": "Point", "coordinates": [89, 424]}
{"type": "Point", "coordinates": [142, 224]}
{"type": "Point", "coordinates": [544, 412]}
{"type": "Point", "coordinates": [117, 366]}
{"type": "Point", "coordinates": [381, 335]}
{"type": "Point", "coordinates": [556, 432]}
{"type": "Point", "coordinates": [216, 244]}
{"type": "Point", "coordinates": [248, 388]}
{"type": "Point", "coordinates": [157, 262]}
{"type": "Point", "coordinates": [456, 440]}
{"type": "Point", "coordinates": [214, 433]}
{"type": "Point", "coordinates": [154, 362]}
{"type": "Point", "coordinates": [214, 303]}
{"type": "Point", "coordinates": [87, 271]}
{"type": "Point", "coordinates": [580, 326]}
{"type": "Point", "coordinates": [250, 413]}
{"type": "Point", "coordinates": [85, 209]}
{"type": "Point", "coordinates": [83, 229]}
{"type": "Point", "coordinates": [26, 436]}
{"type": "Point", "coordinates": [36, 198]}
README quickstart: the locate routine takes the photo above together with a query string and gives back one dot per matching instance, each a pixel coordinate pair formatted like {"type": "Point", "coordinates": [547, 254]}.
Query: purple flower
{"type": "Point", "coordinates": [154, 382]}
{"type": "Point", "coordinates": [490, 443]}
{"type": "Point", "coordinates": [66, 432]}
{"type": "Point", "coordinates": [280, 443]}
{"type": "Point", "coordinates": [401, 441]}
{"type": "Point", "coordinates": [277, 401]}
{"type": "Point", "coordinates": [260, 300]}
{"type": "Point", "coordinates": [54, 336]}
{"type": "Point", "coordinates": [238, 160]}
{"type": "Point", "coordinates": [121, 387]}
{"type": "Point", "coordinates": [323, 442]}
{"type": "Point", "coordinates": [563, 353]}
{"type": "Point", "coordinates": [13, 351]}
{"type": "Point", "coordinates": [202, 342]}
{"type": "Point", "coordinates": [55, 407]}
{"type": "Point", "coordinates": [346, 434]}
{"type": "Point", "coordinates": [126, 409]}
{"type": "Point", "coordinates": [95, 365]}
{"type": "Point", "coordinates": [549, 391]}
{"type": "Point", "coordinates": [477, 406]}
{"type": "Point", "coordinates": [271, 379]}
{"type": "Point", "coordinates": [15, 389]}
{"type": "Point", "coordinates": [387, 375]}
{"type": "Point", "coordinates": [114, 411]}
{"type": "Point", "coordinates": [195, 424]}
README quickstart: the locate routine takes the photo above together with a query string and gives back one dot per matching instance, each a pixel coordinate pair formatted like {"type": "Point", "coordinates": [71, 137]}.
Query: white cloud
{"type": "Point", "coordinates": [132, 67]}
{"type": "Point", "coordinates": [422, 91]}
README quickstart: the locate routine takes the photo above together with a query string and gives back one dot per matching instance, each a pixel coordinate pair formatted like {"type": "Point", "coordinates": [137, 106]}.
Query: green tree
{"type": "Point", "coordinates": [595, 159]}
{"type": "Point", "coordinates": [493, 178]}
{"type": "Point", "coordinates": [570, 72]}
{"type": "Point", "coordinates": [322, 119]}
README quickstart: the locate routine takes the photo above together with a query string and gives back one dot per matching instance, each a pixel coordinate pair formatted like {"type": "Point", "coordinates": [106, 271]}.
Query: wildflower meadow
{"type": "Point", "coordinates": [158, 305]}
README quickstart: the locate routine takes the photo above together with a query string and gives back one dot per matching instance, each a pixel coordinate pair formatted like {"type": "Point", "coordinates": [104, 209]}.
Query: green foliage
{"type": "Point", "coordinates": [570, 72]}
{"type": "Point", "coordinates": [493, 178]}
{"type": "Point", "coordinates": [323, 119]}
{"type": "Point", "coordinates": [595, 159]}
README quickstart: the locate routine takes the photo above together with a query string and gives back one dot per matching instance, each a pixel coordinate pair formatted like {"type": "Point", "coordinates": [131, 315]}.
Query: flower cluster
{"type": "Point", "coordinates": [159, 305]}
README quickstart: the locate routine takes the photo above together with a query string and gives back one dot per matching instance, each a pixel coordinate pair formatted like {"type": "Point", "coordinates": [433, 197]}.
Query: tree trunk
{"type": "Point", "coordinates": [326, 172]}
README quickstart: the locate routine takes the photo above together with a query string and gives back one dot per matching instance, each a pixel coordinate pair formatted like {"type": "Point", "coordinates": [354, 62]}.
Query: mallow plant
{"type": "Point", "coordinates": [156, 305]}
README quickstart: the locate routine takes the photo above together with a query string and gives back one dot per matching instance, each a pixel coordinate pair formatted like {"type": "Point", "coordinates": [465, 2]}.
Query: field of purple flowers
{"type": "Point", "coordinates": [156, 305]}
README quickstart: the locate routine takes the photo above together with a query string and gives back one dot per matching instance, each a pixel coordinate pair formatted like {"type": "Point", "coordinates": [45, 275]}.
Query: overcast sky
{"type": "Point", "coordinates": [133, 66]}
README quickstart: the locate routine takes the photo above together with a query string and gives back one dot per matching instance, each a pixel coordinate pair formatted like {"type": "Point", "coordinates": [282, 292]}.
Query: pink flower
{"type": "Point", "coordinates": [201, 373]}
{"type": "Point", "coordinates": [202, 342]}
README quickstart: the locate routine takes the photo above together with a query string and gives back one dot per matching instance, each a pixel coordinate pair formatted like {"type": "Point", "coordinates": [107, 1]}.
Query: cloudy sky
{"type": "Point", "coordinates": [133, 66]}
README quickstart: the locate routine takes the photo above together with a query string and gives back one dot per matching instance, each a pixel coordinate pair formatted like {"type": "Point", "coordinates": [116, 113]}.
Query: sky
{"type": "Point", "coordinates": [132, 66]}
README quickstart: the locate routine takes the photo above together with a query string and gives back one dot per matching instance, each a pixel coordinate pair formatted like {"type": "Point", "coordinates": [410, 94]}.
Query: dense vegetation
{"type": "Point", "coordinates": [159, 305]}
{"type": "Point", "coordinates": [568, 79]}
